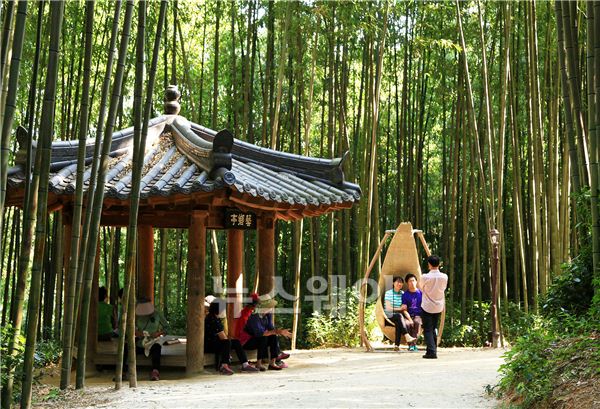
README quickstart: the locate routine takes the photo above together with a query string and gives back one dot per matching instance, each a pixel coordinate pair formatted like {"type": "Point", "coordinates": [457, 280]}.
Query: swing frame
{"type": "Point", "coordinates": [363, 288]}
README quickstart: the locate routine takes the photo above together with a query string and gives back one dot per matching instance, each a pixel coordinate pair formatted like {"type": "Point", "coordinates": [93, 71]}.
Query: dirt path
{"type": "Point", "coordinates": [317, 378]}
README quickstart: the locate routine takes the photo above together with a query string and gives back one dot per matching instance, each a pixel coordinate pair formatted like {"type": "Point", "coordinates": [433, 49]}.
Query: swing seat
{"type": "Point", "coordinates": [401, 259]}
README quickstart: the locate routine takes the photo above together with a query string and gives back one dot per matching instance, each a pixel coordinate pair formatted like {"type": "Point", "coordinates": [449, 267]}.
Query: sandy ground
{"type": "Point", "coordinates": [341, 378]}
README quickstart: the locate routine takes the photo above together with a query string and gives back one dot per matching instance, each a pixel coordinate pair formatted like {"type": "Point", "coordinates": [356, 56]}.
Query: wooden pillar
{"type": "Point", "coordinates": [235, 280]}
{"type": "Point", "coordinates": [266, 255]}
{"type": "Point", "coordinates": [92, 340]}
{"type": "Point", "coordinates": [68, 230]}
{"type": "Point", "coordinates": [194, 349]}
{"type": "Point", "coordinates": [146, 262]}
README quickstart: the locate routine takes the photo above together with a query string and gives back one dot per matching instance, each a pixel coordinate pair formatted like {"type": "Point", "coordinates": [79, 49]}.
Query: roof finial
{"type": "Point", "coordinates": [172, 95]}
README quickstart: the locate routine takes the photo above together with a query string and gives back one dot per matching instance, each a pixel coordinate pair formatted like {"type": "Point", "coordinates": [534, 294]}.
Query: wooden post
{"type": "Point", "coordinates": [92, 340]}
{"type": "Point", "coordinates": [266, 255]}
{"type": "Point", "coordinates": [68, 230]}
{"type": "Point", "coordinates": [235, 280]}
{"type": "Point", "coordinates": [495, 236]}
{"type": "Point", "coordinates": [146, 262]}
{"type": "Point", "coordinates": [194, 349]}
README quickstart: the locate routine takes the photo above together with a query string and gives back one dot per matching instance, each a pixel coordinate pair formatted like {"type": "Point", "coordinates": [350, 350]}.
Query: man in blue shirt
{"type": "Point", "coordinates": [393, 310]}
{"type": "Point", "coordinates": [411, 300]}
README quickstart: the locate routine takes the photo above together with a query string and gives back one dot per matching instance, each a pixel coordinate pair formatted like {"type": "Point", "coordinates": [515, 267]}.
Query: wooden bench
{"type": "Point", "coordinates": [172, 355]}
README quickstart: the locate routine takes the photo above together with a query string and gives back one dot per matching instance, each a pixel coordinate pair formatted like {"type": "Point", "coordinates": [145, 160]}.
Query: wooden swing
{"type": "Point", "coordinates": [401, 259]}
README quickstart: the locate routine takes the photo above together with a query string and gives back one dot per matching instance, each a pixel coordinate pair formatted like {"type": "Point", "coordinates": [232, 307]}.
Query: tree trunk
{"type": "Point", "coordinates": [569, 18]}
{"type": "Point", "coordinates": [127, 322]}
{"type": "Point", "coordinates": [593, 122]}
{"type": "Point", "coordinates": [47, 122]}
{"type": "Point", "coordinates": [70, 294]}
{"type": "Point", "coordinates": [280, 75]}
{"type": "Point", "coordinates": [9, 106]}
{"type": "Point", "coordinates": [373, 152]}
{"type": "Point", "coordinates": [98, 199]}
{"type": "Point", "coordinates": [162, 295]}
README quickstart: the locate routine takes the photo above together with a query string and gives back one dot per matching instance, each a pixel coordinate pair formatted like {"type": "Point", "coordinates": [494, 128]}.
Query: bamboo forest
{"type": "Point", "coordinates": [321, 187]}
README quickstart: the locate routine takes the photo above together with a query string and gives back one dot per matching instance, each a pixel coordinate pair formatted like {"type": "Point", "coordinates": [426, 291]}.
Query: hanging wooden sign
{"type": "Point", "coordinates": [236, 219]}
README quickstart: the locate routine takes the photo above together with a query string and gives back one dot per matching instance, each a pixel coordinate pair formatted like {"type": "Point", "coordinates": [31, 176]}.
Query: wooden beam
{"type": "Point", "coordinates": [175, 220]}
{"type": "Point", "coordinates": [195, 301]}
{"type": "Point", "coordinates": [146, 262]}
{"type": "Point", "coordinates": [55, 207]}
{"type": "Point", "coordinates": [285, 216]}
{"type": "Point", "coordinates": [220, 198]}
{"type": "Point", "coordinates": [266, 254]}
{"type": "Point", "coordinates": [256, 203]}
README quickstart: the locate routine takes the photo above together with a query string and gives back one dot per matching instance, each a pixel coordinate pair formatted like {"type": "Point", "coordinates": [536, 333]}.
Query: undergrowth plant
{"type": "Point", "coordinates": [475, 332]}
{"type": "Point", "coordinates": [47, 352]}
{"type": "Point", "coordinates": [338, 326]}
{"type": "Point", "coordinates": [561, 348]}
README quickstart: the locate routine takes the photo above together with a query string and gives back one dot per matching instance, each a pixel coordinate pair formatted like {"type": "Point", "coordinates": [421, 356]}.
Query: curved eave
{"type": "Point", "coordinates": [184, 163]}
{"type": "Point", "coordinates": [327, 170]}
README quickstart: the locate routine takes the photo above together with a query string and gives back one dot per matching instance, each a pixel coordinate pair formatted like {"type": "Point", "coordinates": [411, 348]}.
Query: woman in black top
{"type": "Point", "coordinates": [216, 341]}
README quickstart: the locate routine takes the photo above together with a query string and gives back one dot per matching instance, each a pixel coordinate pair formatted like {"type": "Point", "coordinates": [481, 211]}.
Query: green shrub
{"type": "Point", "coordinates": [11, 361]}
{"type": "Point", "coordinates": [47, 352]}
{"type": "Point", "coordinates": [475, 332]}
{"type": "Point", "coordinates": [177, 321]}
{"type": "Point", "coordinates": [526, 364]}
{"type": "Point", "coordinates": [339, 326]}
{"type": "Point", "coordinates": [572, 291]}
{"type": "Point", "coordinates": [563, 345]}
{"type": "Point", "coordinates": [547, 356]}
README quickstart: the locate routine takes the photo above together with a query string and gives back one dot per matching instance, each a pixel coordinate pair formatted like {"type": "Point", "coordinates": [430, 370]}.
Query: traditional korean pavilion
{"type": "Point", "coordinates": [196, 178]}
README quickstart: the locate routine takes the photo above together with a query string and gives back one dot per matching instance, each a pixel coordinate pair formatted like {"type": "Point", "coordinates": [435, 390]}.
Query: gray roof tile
{"type": "Point", "coordinates": [168, 169]}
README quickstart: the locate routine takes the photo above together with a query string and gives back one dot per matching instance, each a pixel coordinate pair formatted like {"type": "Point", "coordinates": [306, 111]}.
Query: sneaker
{"type": "Point", "coordinates": [154, 375]}
{"type": "Point", "coordinates": [275, 367]}
{"type": "Point", "coordinates": [226, 370]}
{"type": "Point", "coordinates": [428, 356]}
{"type": "Point", "coordinates": [413, 348]}
{"type": "Point", "coordinates": [281, 364]}
{"type": "Point", "coordinates": [260, 367]}
{"type": "Point", "coordinates": [282, 356]}
{"type": "Point", "coordinates": [408, 338]}
{"type": "Point", "coordinates": [249, 368]}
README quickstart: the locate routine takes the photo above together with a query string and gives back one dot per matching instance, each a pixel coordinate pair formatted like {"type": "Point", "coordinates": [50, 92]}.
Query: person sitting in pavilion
{"type": "Point", "coordinates": [411, 303]}
{"type": "Point", "coordinates": [241, 322]}
{"type": "Point", "coordinates": [150, 324]}
{"type": "Point", "coordinates": [260, 333]}
{"type": "Point", "coordinates": [105, 316]}
{"type": "Point", "coordinates": [393, 310]}
{"type": "Point", "coordinates": [216, 340]}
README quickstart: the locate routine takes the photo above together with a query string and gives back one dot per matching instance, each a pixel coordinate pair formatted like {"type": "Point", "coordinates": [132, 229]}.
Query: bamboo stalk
{"type": "Point", "coordinates": [98, 199]}
{"type": "Point", "coordinates": [139, 149]}
{"type": "Point", "coordinates": [47, 122]}
{"type": "Point", "coordinates": [363, 294]}
{"type": "Point", "coordinates": [593, 134]}
{"type": "Point", "coordinates": [9, 106]}
{"type": "Point", "coordinates": [67, 335]}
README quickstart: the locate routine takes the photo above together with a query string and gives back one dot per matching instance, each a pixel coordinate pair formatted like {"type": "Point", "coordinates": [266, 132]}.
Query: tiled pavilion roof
{"type": "Point", "coordinates": [183, 159]}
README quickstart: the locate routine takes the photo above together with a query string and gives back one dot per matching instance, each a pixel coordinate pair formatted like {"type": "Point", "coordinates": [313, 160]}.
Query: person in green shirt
{"type": "Point", "coordinates": [149, 324]}
{"type": "Point", "coordinates": [393, 310]}
{"type": "Point", "coordinates": [105, 316]}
